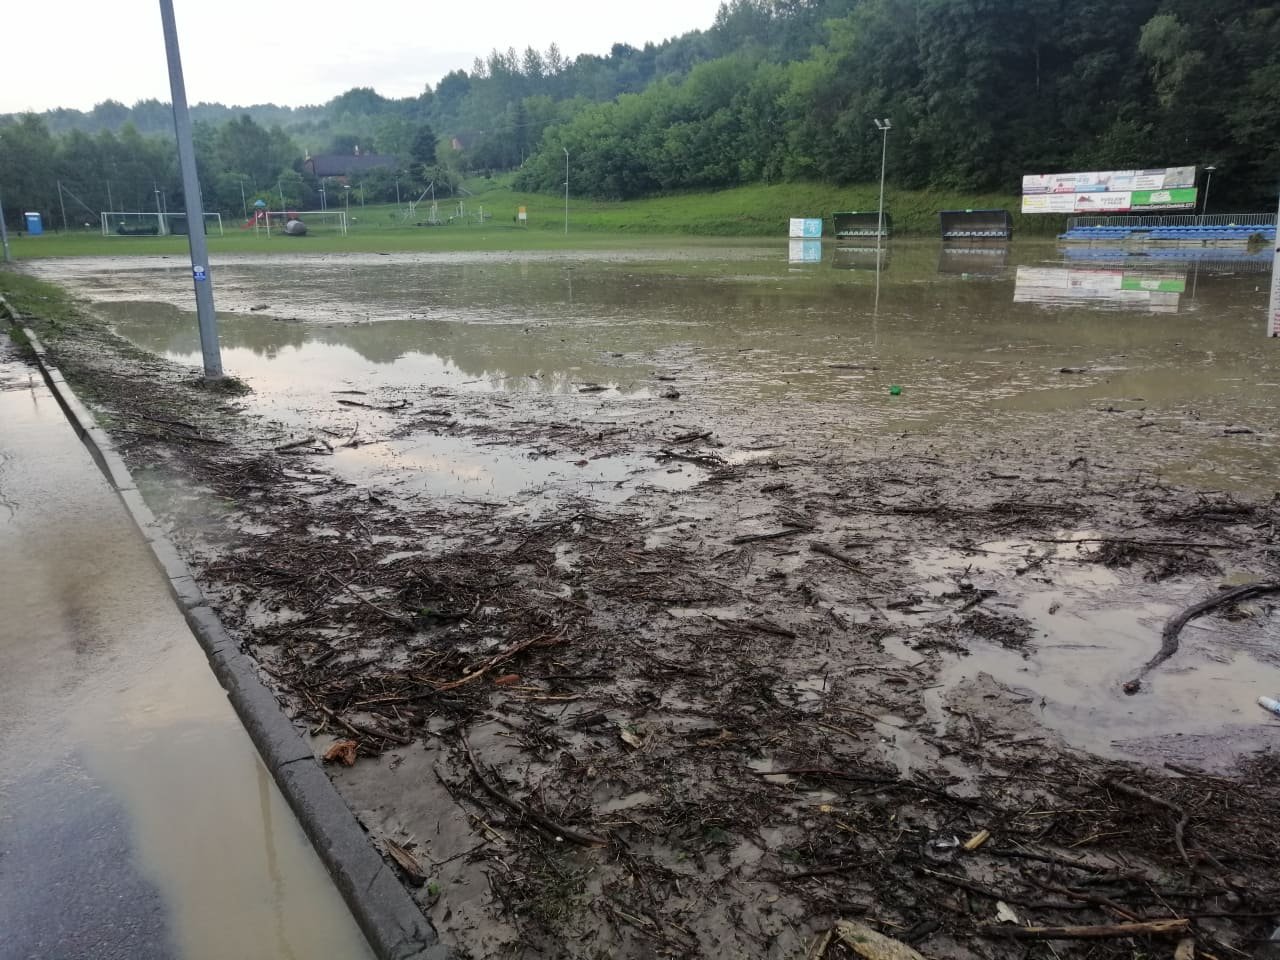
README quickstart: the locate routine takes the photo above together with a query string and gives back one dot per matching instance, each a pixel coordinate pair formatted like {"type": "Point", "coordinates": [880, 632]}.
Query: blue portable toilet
{"type": "Point", "coordinates": [35, 224]}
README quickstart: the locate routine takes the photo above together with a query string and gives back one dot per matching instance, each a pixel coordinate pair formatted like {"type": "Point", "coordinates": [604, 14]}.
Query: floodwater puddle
{"type": "Point", "coordinates": [444, 465]}
{"type": "Point", "coordinates": [1086, 636]}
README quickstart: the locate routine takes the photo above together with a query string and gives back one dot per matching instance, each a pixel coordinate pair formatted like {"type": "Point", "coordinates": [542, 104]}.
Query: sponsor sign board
{"type": "Point", "coordinates": [1049, 203]}
{"type": "Point", "coordinates": [1182, 198]}
{"type": "Point", "coordinates": [1170, 188]}
{"type": "Point", "coordinates": [1117, 202]}
{"type": "Point", "coordinates": [805, 228]}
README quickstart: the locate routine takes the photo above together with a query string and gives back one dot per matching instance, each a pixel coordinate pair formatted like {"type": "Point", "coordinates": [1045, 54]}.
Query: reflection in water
{"type": "Point", "coordinates": [1149, 290]}
{"type": "Point", "coordinates": [860, 258]}
{"type": "Point", "coordinates": [1207, 260]}
{"type": "Point", "coordinates": [804, 251]}
{"type": "Point", "coordinates": [974, 259]}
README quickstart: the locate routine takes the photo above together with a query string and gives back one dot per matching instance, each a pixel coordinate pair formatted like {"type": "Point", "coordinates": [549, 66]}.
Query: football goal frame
{"type": "Point", "coordinates": [276, 219]}
{"type": "Point", "coordinates": [143, 223]}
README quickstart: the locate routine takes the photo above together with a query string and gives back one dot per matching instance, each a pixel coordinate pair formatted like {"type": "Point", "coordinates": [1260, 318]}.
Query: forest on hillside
{"type": "Point", "coordinates": [979, 91]}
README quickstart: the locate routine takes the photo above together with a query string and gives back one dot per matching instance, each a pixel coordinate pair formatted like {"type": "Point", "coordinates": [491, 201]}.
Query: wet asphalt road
{"type": "Point", "coordinates": [135, 818]}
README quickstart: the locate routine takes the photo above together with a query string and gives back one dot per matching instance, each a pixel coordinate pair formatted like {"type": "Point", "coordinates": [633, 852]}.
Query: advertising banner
{"type": "Point", "coordinates": [1110, 191]}
{"type": "Point", "coordinates": [805, 228]}
{"type": "Point", "coordinates": [1103, 203]}
{"type": "Point", "coordinates": [1182, 198]}
{"type": "Point", "coordinates": [1049, 203]}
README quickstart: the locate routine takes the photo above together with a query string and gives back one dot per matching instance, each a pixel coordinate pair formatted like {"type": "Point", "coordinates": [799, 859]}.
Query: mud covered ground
{"type": "Point", "coordinates": [805, 683]}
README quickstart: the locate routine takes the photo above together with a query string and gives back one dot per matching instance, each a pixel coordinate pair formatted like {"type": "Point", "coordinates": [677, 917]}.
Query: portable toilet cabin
{"type": "Point", "coordinates": [35, 223]}
{"type": "Point", "coordinates": [856, 224]}
{"type": "Point", "coordinates": [976, 224]}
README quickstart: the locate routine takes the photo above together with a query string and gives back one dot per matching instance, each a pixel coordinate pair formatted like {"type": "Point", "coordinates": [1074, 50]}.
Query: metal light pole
{"type": "Point", "coordinates": [566, 190]}
{"type": "Point", "coordinates": [1273, 310]}
{"type": "Point", "coordinates": [244, 204]}
{"type": "Point", "coordinates": [159, 210]}
{"type": "Point", "coordinates": [324, 201]}
{"type": "Point", "coordinates": [63, 204]}
{"type": "Point", "coordinates": [884, 126]}
{"type": "Point", "coordinates": [1204, 204]}
{"type": "Point", "coordinates": [4, 236]}
{"type": "Point", "coordinates": [200, 273]}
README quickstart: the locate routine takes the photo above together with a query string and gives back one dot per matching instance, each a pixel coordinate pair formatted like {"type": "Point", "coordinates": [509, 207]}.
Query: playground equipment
{"type": "Point", "coordinates": [976, 224]}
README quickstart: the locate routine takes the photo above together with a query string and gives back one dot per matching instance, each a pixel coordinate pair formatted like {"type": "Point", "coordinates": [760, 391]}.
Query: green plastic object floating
{"type": "Point", "coordinates": [895, 391]}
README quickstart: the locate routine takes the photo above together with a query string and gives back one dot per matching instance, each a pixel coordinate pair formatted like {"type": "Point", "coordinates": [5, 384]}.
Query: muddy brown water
{"type": "Point", "coordinates": [774, 349]}
{"type": "Point", "coordinates": [135, 816]}
{"type": "Point", "coordinates": [969, 334]}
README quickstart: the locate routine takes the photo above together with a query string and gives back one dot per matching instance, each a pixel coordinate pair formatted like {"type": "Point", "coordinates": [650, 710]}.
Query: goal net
{"type": "Point", "coordinates": [138, 223]}
{"type": "Point", "coordinates": [313, 222]}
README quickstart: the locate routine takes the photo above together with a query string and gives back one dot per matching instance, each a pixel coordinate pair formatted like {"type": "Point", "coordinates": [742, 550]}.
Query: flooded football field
{"type": "Point", "coordinates": [775, 514]}
{"type": "Point", "coordinates": [1011, 337]}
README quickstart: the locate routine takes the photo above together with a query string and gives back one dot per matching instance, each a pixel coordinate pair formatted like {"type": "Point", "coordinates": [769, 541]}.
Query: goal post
{"type": "Point", "coordinates": [278, 222]}
{"type": "Point", "coordinates": [141, 223]}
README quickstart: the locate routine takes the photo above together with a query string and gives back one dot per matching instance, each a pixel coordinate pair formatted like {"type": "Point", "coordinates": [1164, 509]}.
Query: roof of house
{"type": "Point", "coordinates": [345, 164]}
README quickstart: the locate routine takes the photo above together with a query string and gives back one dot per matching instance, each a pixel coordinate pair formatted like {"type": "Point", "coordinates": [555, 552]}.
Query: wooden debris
{"type": "Point", "coordinates": [1147, 928]}
{"type": "Point", "coordinates": [406, 861]}
{"type": "Point", "coordinates": [544, 823]}
{"type": "Point", "coordinates": [871, 944]}
{"type": "Point", "coordinates": [343, 752]}
{"type": "Point", "coordinates": [977, 840]}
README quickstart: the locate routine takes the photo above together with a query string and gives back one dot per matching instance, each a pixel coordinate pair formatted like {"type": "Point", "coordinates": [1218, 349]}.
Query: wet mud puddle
{"type": "Point", "coordinates": [1049, 622]}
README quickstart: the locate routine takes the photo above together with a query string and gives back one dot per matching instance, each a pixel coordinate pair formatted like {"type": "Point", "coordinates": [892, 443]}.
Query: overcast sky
{"type": "Point", "coordinates": [75, 53]}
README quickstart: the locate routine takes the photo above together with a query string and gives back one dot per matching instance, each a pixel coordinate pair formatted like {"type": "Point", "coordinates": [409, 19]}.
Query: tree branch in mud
{"type": "Point", "coordinates": [1149, 928]}
{"type": "Point", "coordinates": [1169, 636]}
{"type": "Point", "coordinates": [546, 824]}
{"type": "Point", "coordinates": [1179, 827]}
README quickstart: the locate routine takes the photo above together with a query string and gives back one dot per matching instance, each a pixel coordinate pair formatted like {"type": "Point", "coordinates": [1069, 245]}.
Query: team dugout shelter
{"type": "Point", "coordinates": [976, 224]}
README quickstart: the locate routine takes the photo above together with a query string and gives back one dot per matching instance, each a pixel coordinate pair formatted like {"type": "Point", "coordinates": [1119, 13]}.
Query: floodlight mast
{"type": "Point", "coordinates": [1204, 204]}
{"type": "Point", "coordinates": [4, 236]}
{"type": "Point", "coordinates": [201, 275]}
{"type": "Point", "coordinates": [884, 126]}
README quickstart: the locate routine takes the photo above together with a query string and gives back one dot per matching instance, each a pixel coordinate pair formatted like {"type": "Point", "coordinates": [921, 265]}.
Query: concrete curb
{"type": "Point", "coordinates": [390, 919]}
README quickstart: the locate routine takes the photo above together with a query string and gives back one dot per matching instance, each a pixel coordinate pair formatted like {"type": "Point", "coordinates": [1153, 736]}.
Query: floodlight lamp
{"type": "Point", "coordinates": [884, 124]}
{"type": "Point", "coordinates": [1210, 168]}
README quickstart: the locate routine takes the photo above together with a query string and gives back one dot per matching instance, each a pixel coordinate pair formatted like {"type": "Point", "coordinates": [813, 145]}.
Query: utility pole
{"type": "Point", "coordinates": [244, 204]}
{"type": "Point", "coordinates": [4, 235]}
{"type": "Point", "coordinates": [63, 205]}
{"type": "Point", "coordinates": [110, 203]}
{"type": "Point", "coordinates": [201, 275]}
{"type": "Point", "coordinates": [566, 190]}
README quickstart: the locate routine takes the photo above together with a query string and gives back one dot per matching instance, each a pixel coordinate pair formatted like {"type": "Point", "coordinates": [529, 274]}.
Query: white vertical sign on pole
{"type": "Point", "coordinates": [1273, 311]}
